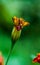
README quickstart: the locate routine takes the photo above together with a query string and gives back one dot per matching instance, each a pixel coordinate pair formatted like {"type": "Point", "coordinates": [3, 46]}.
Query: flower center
{"type": "Point", "coordinates": [18, 27]}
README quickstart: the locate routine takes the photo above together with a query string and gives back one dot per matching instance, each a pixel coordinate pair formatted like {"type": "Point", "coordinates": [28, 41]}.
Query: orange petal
{"type": "Point", "coordinates": [21, 19]}
{"type": "Point", "coordinates": [15, 20]}
{"type": "Point", "coordinates": [26, 23]}
{"type": "Point", "coordinates": [38, 54]}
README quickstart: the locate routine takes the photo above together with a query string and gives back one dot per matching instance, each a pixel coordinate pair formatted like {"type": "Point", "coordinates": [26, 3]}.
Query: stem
{"type": "Point", "coordinates": [13, 43]}
{"type": "Point", "coordinates": [9, 55]}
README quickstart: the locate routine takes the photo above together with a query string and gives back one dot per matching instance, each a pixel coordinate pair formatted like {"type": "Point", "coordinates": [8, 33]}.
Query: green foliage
{"type": "Point", "coordinates": [29, 42]}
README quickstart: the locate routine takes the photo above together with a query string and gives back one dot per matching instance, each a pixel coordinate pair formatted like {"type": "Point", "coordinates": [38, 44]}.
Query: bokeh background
{"type": "Point", "coordinates": [27, 47]}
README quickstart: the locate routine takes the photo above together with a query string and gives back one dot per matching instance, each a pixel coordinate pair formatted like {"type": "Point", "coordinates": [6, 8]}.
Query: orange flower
{"type": "Point", "coordinates": [1, 59]}
{"type": "Point", "coordinates": [37, 58]}
{"type": "Point", "coordinates": [19, 23]}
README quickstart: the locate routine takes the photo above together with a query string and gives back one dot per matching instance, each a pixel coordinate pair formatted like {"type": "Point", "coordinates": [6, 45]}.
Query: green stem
{"type": "Point", "coordinates": [9, 55]}
{"type": "Point", "coordinates": [10, 51]}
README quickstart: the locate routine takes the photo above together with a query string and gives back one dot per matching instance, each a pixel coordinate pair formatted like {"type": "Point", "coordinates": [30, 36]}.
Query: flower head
{"type": "Point", "coordinates": [19, 23]}
{"type": "Point", "coordinates": [37, 58]}
{"type": "Point", "coordinates": [1, 59]}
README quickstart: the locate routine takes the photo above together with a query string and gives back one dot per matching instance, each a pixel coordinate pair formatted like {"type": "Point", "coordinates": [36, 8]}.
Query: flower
{"type": "Point", "coordinates": [37, 58]}
{"type": "Point", "coordinates": [19, 23]}
{"type": "Point", "coordinates": [1, 59]}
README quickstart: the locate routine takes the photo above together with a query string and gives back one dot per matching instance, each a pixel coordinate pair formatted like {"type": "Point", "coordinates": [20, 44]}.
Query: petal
{"type": "Point", "coordinates": [15, 20]}
{"type": "Point", "coordinates": [26, 23]}
{"type": "Point", "coordinates": [38, 54]}
{"type": "Point", "coordinates": [35, 59]}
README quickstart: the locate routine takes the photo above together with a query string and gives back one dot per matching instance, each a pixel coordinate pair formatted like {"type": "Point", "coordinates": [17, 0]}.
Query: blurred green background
{"type": "Point", "coordinates": [28, 45]}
